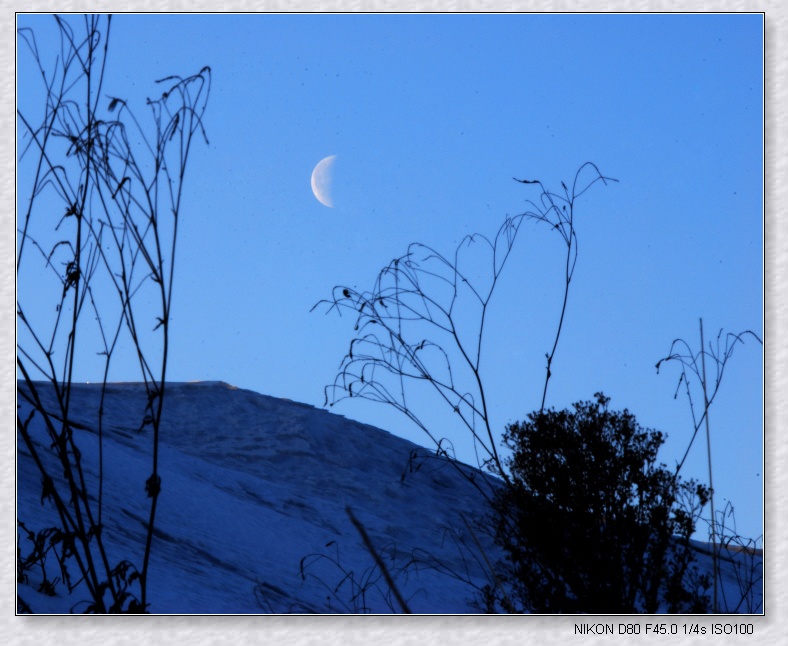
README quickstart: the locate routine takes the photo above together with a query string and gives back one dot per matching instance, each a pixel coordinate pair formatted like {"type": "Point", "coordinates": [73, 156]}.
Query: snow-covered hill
{"type": "Point", "coordinates": [253, 511]}
{"type": "Point", "coordinates": [251, 485]}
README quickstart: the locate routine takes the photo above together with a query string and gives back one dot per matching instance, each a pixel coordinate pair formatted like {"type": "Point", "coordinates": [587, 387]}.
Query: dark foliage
{"type": "Point", "coordinates": [590, 522]}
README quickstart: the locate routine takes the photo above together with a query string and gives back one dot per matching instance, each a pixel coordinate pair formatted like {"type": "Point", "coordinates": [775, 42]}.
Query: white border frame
{"type": "Point", "coordinates": [470, 630]}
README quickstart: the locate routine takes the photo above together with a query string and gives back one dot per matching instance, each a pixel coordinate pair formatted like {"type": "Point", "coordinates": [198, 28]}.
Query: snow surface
{"type": "Point", "coordinates": [252, 513]}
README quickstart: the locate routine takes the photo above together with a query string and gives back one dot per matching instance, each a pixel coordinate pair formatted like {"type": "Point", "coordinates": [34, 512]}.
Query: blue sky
{"type": "Point", "coordinates": [431, 116]}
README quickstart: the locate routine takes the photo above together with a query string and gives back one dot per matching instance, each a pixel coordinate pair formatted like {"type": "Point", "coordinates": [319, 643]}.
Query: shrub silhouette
{"type": "Point", "coordinates": [590, 523]}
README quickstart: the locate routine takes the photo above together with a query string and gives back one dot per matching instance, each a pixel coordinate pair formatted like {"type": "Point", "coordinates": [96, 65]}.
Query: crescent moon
{"type": "Point", "coordinates": [321, 181]}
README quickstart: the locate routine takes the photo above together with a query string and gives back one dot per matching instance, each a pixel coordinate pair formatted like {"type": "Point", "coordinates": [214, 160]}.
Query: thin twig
{"type": "Point", "coordinates": [378, 561]}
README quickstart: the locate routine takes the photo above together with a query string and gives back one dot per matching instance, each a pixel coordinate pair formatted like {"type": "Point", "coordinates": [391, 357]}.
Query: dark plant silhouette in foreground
{"type": "Point", "coordinates": [44, 543]}
{"type": "Point", "coordinates": [423, 322]}
{"type": "Point", "coordinates": [380, 584]}
{"type": "Point", "coordinates": [355, 591]}
{"type": "Point", "coordinates": [743, 557]}
{"type": "Point", "coordinates": [693, 374]}
{"type": "Point", "coordinates": [590, 522]}
{"type": "Point", "coordinates": [422, 325]}
{"type": "Point", "coordinates": [107, 266]}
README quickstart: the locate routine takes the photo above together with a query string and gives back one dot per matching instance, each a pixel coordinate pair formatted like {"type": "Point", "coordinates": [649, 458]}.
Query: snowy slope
{"type": "Point", "coordinates": [250, 486]}
{"type": "Point", "coordinates": [253, 487]}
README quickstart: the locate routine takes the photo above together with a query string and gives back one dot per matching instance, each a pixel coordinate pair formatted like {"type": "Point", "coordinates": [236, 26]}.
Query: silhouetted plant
{"type": "Point", "coordinates": [745, 559]}
{"type": "Point", "coordinates": [411, 327]}
{"type": "Point", "coordinates": [384, 570]}
{"type": "Point", "coordinates": [110, 259]}
{"type": "Point", "coordinates": [34, 562]}
{"type": "Point", "coordinates": [356, 591]}
{"type": "Point", "coordinates": [693, 371]}
{"type": "Point", "coordinates": [590, 523]}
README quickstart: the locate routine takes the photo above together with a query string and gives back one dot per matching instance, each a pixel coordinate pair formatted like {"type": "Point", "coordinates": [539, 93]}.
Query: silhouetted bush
{"type": "Point", "coordinates": [590, 523]}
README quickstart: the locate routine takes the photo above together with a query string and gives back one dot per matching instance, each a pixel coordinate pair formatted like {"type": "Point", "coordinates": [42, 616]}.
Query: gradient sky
{"type": "Point", "coordinates": [431, 116]}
